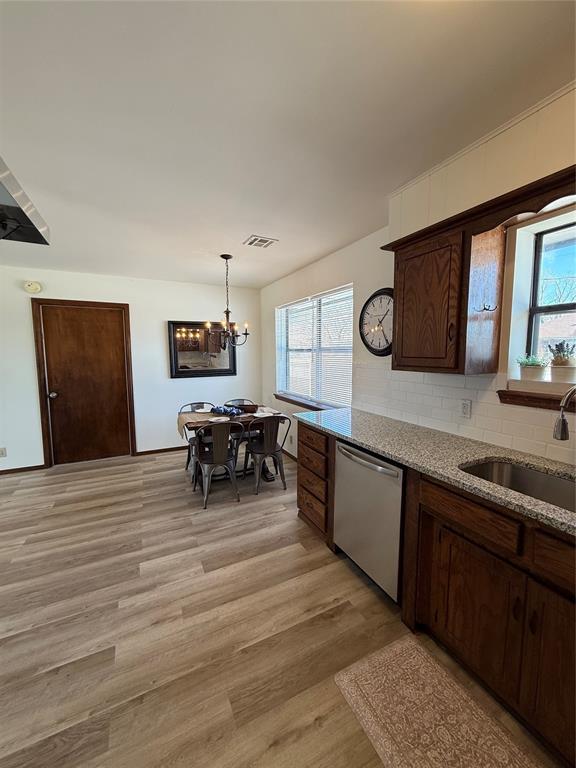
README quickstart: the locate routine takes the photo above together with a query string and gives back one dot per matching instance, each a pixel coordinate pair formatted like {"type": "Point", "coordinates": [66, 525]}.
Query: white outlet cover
{"type": "Point", "coordinates": [3, 453]}
{"type": "Point", "coordinates": [466, 408]}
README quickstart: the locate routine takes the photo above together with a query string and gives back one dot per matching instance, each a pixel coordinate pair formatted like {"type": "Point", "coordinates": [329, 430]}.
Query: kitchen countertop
{"type": "Point", "coordinates": [441, 454]}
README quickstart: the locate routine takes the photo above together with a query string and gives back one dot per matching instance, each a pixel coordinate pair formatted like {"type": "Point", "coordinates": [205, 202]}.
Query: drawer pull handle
{"type": "Point", "coordinates": [451, 331]}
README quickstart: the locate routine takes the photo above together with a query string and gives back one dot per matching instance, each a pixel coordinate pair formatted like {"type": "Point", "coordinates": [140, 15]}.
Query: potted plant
{"type": "Point", "coordinates": [563, 366]}
{"type": "Point", "coordinates": [532, 367]}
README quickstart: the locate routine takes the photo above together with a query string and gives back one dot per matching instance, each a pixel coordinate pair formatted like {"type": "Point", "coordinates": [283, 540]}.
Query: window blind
{"type": "Point", "coordinates": [314, 347]}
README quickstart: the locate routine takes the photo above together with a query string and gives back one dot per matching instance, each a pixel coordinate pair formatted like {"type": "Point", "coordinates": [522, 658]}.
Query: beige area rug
{"type": "Point", "coordinates": [417, 716]}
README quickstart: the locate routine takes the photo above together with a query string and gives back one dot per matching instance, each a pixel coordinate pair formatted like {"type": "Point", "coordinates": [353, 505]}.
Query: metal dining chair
{"type": "Point", "coordinates": [217, 446]}
{"type": "Point", "coordinates": [263, 443]}
{"type": "Point", "coordinates": [239, 401]}
{"type": "Point", "coordinates": [192, 408]}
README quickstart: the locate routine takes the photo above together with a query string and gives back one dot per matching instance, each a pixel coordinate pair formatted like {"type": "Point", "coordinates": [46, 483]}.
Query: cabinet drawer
{"type": "Point", "coordinates": [313, 509]}
{"type": "Point", "coordinates": [312, 438]}
{"type": "Point", "coordinates": [312, 483]}
{"type": "Point", "coordinates": [554, 558]}
{"type": "Point", "coordinates": [311, 459]}
{"type": "Point", "coordinates": [503, 532]}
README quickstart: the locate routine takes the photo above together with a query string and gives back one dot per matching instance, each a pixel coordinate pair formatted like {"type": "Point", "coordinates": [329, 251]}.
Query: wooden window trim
{"type": "Point", "coordinates": [548, 401]}
{"type": "Point", "coordinates": [309, 405]}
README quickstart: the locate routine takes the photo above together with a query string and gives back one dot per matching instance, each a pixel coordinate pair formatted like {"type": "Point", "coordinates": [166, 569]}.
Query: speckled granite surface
{"type": "Point", "coordinates": [440, 455]}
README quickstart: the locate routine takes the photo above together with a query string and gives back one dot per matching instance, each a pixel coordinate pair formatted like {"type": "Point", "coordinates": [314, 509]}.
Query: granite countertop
{"type": "Point", "coordinates": [441, 455]}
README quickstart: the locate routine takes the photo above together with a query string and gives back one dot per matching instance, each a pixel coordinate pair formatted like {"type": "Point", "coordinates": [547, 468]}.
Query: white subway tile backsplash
{"type": "Point", "coordinates": [518, 429]}
{"type": "Point", "coordinates": [443, 426]}
{"type": "Point", "coordinates": [487, 422]}
{"type": "Point", "coordinates": [457, 392]}
{"type": "Point", "coordinates": [472, 432]}
{"type": "Point", "coordinates": [445, 379]}
{"type": "Point", "coordinates": [498, 439]}
{"type": "Point", "coordinates": [559, 453]}
{"type": "Point", "coordinates": [434, 400]}
{"type": "Point", "coordinates": [530, 446]}
{"type": "Point", "coordinates": [487, 396]}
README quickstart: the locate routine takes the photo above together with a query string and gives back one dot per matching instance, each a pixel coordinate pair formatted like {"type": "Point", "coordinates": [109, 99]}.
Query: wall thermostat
{"type": "Point", "coordinates": [31, 286]}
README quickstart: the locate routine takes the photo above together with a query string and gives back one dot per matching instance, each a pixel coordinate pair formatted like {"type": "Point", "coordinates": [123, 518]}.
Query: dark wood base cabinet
{"type": "Point", "coordinates": [316, 480]}
{"type": "Point", "coordinates": [497, 590]}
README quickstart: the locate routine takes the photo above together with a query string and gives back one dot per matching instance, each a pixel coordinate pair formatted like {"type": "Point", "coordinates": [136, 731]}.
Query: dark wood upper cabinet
{"type": "Point", "coordinates": [448, 281]}
{"type": "Point", "coordinates": [427, 279]}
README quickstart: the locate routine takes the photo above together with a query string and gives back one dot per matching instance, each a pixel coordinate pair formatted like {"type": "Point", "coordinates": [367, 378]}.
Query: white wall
{"type": "Point", "coordinates": [538, 144]}
{"type": "Point", "coordinates": [541, 142]}
{"type": "Point", "coordinates": [361, 263]}
{"type": "Point", "coordinates": [157, 397]}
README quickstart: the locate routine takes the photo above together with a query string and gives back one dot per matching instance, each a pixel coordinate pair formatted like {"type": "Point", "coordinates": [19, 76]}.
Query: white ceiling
{"type": "Point", "coordinates": [153, 136]}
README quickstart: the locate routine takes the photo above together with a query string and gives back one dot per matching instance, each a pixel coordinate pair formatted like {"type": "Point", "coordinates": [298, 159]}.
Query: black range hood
{"type": "Point", "coordinates": [19, 219]}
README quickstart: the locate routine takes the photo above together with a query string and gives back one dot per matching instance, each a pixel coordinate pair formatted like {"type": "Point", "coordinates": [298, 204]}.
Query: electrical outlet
{"type": "Point", "coordinates": [466, 408]}
{"type": "Point", "coordinates": [3, 453]}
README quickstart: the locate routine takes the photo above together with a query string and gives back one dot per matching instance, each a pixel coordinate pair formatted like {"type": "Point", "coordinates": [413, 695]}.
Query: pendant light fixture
{"type": "Point", "coordinates": [228, 333]}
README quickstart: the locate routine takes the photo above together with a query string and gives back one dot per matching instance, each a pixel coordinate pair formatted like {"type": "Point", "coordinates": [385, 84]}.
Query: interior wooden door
{"type": "Point", "coordinates": [478, 610]}
{"type": "Point", "coordinates": [427, 280]}
{"type": "Point", "coordinates": [83, 352]}
{"type": "Point", "coordinates": [548, 669]}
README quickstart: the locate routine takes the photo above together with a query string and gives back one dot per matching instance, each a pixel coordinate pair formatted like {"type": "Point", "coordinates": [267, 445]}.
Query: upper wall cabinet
{"type": "Point", "coordinates": [427, 279]}
{"type": "Point", "coordinates": [448, 282]}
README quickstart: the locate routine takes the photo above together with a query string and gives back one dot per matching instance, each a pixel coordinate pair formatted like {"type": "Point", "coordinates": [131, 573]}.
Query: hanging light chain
{"type": "Point", "coordinates": [227, 295]}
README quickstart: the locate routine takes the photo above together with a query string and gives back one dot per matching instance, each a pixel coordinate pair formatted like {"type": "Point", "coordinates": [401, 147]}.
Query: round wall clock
{"type": "Point", "coordinates": [376, 322]}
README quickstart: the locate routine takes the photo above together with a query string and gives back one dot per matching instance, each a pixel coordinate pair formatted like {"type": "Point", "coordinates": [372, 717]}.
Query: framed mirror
{"type": "Point", "coordinates": [194, 352]}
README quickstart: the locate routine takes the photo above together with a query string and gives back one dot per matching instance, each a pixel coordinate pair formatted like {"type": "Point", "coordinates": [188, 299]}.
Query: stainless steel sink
{"type": "Point", "coordinates": [551, 488]}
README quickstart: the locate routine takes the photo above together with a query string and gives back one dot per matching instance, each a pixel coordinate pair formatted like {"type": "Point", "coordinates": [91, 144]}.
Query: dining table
{"type": "Point", "coordinates": [191, 421]}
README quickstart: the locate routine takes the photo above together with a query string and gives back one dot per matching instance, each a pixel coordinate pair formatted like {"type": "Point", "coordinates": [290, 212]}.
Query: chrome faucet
{"type": "Point", "coordinates": [561, 431]}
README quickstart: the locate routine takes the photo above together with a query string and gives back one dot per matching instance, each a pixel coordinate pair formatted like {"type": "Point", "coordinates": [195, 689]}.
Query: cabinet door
{"type": "Point", "coordinates": [427, 286]}
{"type": "Point", "coordinates": [547, 691]}
{"type": "Point", "coordinates": [478, 610]}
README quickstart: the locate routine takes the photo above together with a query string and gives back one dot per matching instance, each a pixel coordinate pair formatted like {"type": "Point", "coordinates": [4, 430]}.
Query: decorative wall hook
{"type": "Point", "coordinates": [487, 308]}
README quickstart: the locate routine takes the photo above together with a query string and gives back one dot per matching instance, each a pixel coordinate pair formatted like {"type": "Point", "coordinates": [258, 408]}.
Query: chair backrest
{"type": "Point", "coordinates": [265, 431]}
{"type": "Point", "coordinates": [220, 434]}
{"type": "Point", "coordinates": [193, 407]}
{"type": "Point", "coordinates": [240, 401]}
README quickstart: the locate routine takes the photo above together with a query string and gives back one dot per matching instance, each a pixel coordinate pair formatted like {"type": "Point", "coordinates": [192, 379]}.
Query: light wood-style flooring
{"type": "Point", "coordinates": [139, 630]}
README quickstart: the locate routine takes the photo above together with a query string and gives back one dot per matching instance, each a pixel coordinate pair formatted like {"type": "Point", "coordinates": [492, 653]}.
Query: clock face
{"type": "Point", "coordinates": [376, 322]}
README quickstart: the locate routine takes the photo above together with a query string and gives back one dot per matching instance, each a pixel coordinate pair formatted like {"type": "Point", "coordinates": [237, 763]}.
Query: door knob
{"type": "Point", "coordinates": [52, 395]}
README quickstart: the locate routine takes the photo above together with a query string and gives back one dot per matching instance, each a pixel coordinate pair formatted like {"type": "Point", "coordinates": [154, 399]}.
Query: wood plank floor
{"type": "Point", "coordinates": [137, 629]}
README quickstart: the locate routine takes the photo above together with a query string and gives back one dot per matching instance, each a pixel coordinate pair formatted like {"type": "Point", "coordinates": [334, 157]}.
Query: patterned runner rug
{"type": "Point", "coordinates": [417, 716]}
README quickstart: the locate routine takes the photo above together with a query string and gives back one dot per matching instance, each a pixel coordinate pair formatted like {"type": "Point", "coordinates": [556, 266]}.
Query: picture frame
{"type": "Point", "coordinates": [195, 353]}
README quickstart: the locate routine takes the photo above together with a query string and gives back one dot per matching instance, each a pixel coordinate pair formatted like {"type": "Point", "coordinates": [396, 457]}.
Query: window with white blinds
{"type": "Point", "coordinates": [314, 347]}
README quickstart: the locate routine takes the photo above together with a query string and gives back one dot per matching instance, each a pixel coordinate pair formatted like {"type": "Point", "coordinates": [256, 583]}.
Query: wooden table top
{"type": "Point", "coordinates": [195, 420]}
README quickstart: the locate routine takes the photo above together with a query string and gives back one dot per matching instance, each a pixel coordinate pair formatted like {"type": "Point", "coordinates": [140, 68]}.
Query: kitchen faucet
{"type": "Point", "coordinates": [561, 431]}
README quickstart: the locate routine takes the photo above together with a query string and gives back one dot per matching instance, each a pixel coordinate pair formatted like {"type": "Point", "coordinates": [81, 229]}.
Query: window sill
{"type": "Point", "coordinates": [535, 394]}
{"type": "Point", "coordinates": [309, 405]}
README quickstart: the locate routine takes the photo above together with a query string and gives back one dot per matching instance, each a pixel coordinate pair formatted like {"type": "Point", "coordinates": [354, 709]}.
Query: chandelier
{"type": "Point", "coordinates": [228, 333]}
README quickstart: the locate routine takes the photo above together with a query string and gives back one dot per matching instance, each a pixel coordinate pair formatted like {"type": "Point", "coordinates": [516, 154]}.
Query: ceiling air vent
{"type": "Point", "coordinates": [260, 242]}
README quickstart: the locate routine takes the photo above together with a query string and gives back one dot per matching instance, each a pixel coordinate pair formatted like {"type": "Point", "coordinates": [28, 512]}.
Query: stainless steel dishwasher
{"type": "Point", "coordinates": [367, 514]}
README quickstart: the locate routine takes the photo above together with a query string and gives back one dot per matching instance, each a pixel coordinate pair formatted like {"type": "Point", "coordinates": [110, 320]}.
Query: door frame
{"type": "Point", "coordinates": [37, 305]}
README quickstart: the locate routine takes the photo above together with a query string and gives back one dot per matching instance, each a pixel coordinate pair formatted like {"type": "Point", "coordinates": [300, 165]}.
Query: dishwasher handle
{"type": "Point", "coordinates": [368, 463]}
